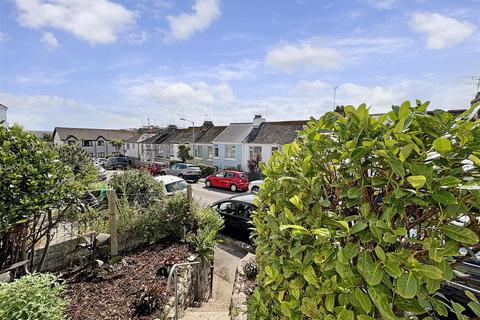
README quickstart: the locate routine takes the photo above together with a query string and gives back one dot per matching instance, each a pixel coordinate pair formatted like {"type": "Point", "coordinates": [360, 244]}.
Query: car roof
{"type": "Point", "coordinates": [244, 197]}
{"type": "Point", "coordinates": [168, 179]}
{"type": "Point", "coordinates": [234, 171]}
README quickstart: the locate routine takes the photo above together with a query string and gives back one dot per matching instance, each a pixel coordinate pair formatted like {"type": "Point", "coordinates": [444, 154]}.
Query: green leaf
{"type": "Point", "coordinates": [460, 234]}
{"type": "Point", "coordinates": [374, 274]}
{"type": "Point", "coordinates": [295, 200]}
{"type": "Point", "coordinates": [396, 166]}
{"type": "Point", "coordinates": [443, 197]}
{"type": "Point", "coordinates": [442, 145]}
{"type": "Point", "coordinates": [404, 109]}
{"type": "Point", "coordinates": [330, 302]}
{"type": "Point", "coordinates": [417, 181]}
{"type": "Point", "coordinates": [393, 269]}
{"type": "Point", "coordinates": [364, 317]}
{"type": "Point", "coordinates": [475, 307]}
{"type": "Point", "coordinates": [429, 271]}
{"type": "Point", "coordinates": [470, 295]}
{"type": "Point", "coordinates": [363, 299]}
{"type": "Point", "coordinates": [407, 286]}
{"type": "Point", "coordinates": [292, 226]}
{"type": "Point", "coordinates": [380, 300]}
{"type": "Point", "coordinates": [310, 276]}
{"type": "Point", "coordinates": [346, 315]}
{"type": "Point", "coordinates": [380, 253]}
{"type": "Point", "coordinates": [358, 226]}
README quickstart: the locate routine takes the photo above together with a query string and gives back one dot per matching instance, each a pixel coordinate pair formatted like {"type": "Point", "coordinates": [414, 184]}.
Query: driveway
{"type": "Point", "coordinates": [207, 196]}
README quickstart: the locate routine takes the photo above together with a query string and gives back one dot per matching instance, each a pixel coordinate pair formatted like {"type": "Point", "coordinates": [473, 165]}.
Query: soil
{"type": "Point", "coordinates": [112, 292]}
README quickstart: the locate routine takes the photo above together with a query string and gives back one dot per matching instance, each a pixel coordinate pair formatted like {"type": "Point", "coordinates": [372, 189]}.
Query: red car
{"type": "Point", "coordinates": [155, 168]}
{"type": "Point", "coordinates": [228, 179]}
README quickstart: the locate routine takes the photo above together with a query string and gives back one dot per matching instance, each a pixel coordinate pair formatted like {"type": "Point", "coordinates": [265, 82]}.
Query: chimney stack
{"type": "Point", "coordinates": [257, 120]}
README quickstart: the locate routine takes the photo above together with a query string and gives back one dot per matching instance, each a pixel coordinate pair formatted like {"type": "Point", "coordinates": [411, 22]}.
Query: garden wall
{"type": "Point", "coordinates": [238, 304]}
{"type": "Point", "coordinates": [187, 289]}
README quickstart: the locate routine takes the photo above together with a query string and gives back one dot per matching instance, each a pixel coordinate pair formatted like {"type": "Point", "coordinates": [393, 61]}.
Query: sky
{"type": "Point", "coordinates": [123, 64]}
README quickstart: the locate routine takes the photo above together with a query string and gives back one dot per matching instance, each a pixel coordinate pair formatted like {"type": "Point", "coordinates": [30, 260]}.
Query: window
{"type": "Point", "coordinates": [87, 143]}
{"type": "Point", "coordinates": [70, 142]}
{"type": "Point", "coordinates": [230, 175]}
{"type": "Point", "coordinates": [198, 152]}
{"type": "Point", "coordinates": [101, 154]}
{"type": "Point", "coordinates": [128, 146]}
{"type": "Point", "coordinates": [254, 151]}
{"type": "Point", "coordinates": [91, 154]}
{"type": "Point", "coordinates": [230, 151]}
{"type": "Point", "coordinates": [226, 207]}
{"type": "Point", "coordinates": [275, 149]}
{"type": "Point", "coordinates": [210, 152]}
{"type": "Point", "coordinates": [219, 174]}
{"type": "Point", "coordinates": [100, 143]}
{"type": "Point", "coordinates": [215, 149]}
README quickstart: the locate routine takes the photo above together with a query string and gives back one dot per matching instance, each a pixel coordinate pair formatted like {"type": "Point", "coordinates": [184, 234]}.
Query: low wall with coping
{"type": "Point", "coordinates": [238, 304]}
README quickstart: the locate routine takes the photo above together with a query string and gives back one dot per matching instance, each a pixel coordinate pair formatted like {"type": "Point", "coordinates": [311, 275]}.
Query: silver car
{"type": "Point", "coordinates": [185, 171]}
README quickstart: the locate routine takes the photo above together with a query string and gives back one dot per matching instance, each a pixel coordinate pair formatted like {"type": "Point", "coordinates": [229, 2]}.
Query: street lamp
{"type": "Point", "coordinates": [193, 136]}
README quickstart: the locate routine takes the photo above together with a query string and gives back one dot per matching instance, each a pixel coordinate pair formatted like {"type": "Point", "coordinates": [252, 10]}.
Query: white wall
{"type": "Point", "coordinates": [266, 152]}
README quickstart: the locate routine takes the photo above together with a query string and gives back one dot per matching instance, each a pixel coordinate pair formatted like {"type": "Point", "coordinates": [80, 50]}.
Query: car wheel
{"type": "Point", "coordinates": [181, 176]}
{"type": "Point", "coordinates": [255, 189]}
{"type": "Point", "coordinates": [233, 188]}
{"type": "Point", "coordinates": [208, 183]}
{"type": "Point", "coordinates": [162, 173]}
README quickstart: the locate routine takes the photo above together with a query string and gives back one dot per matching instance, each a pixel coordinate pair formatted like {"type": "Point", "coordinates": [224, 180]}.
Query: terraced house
{"type": "Point", "coordinates": [97, 142]}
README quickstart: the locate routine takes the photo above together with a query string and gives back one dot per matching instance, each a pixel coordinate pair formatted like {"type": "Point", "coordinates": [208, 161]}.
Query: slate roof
{"type": "Point", "coordinates": [207, 135]}
{"type": "Point", "coordinates": [93, 134]}
{"type": "Point", "coordinates": [234, 133]}
{"type": "Point", "coordinates": [140, 137]}
{"type": "Point", "coordinates": [180, 136]}
{"type": "Point", "coordinates": [279, 132]}
{"type": "Point", "coordinates": [40, 133]}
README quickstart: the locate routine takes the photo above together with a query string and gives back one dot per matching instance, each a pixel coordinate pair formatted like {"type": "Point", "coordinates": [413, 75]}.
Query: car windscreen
{"type": "Point", "coordinates": [176, 186]}
{"type": "Point", "coordinates": [122, 159]}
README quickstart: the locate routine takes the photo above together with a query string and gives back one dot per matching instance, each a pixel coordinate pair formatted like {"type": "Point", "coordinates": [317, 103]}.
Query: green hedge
{"type": "Point", "coordinates": [36, 296]}
{"type": "Point", "coordinates": [361, 216]}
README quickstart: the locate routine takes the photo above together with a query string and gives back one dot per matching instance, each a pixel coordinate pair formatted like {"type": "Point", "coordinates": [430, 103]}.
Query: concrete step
{"type": "Point", "coordinates": [207, 315]}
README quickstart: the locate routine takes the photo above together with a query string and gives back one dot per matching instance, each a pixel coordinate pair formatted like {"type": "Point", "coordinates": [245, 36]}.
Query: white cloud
{"type": "Point", "coordinates": [95, 21]}
{"type": "Point", "coordinates": [181, 93]}
{"type": "Point", "coordinates": [183, 26]}
{"type": "Point", "coordinates": [49, 41]}
{"type": "Point", "coordinates": [3, 37]}
{"type": "Point", "coordinates": [441, 31]}
{"type": "Point", "coordinates": [382, 4]}
{"type": "Point", "coordinates": [313, 87]}
{"type": "Point", "coordinates": [290, 58]}
{"type": "Point", "coordinates": [379, 97]}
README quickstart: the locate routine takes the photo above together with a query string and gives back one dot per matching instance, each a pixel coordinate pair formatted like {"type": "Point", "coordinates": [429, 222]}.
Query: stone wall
{"type": "Point", "coordinates": [238, 304]}
{"type": "Point", "coordinates": [187, 289]}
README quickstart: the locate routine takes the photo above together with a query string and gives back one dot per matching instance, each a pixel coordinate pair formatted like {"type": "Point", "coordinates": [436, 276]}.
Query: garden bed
{"type": "Point", "coordinates": [112, 294]}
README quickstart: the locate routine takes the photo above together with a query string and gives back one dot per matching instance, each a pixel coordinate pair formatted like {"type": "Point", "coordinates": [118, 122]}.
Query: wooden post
{"type": "Point", "coordinates": [112, 210]}
{"type": "Point", "coordinates": [189, 193]}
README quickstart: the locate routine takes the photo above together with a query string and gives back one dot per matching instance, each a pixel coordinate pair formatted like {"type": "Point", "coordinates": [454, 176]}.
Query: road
{"type": "Point", "coordinates": [208, 196]}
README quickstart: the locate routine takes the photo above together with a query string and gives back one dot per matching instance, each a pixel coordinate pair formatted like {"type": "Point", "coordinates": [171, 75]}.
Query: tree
{"type": "Point", "coordinates": [36, 192]}
{"type": "Point", "coordinates": [184, 152]}
{"type": "Point", "coordinates": [253, 165]}
{"type": "Point", "coordinates": [362, 217]}
{"type": "Point", "coordinates": [79, 162]}
{"type": "Point", "coordinates": [117, 144]}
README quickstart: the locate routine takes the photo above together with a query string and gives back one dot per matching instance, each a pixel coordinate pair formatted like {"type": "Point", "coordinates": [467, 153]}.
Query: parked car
{"type": "Point", "coordinates": [254, 186]}
{"type": "Point", "coordinates": [236, 213]}
{"type": "Point", "coordinates": [155, 168]}
{"type": "Point", "coordinates": [228, 179]}
{"type": "Point", "coordinates": [102, 174]}
{"type": "Point", "coordinates": [173, 184]}
{"type": "Point", "coordinates": [184, 170]}
{"type": "Point", "coordinates": [116, 163]}
{"type": "Point", "coordinates": [100, 161]}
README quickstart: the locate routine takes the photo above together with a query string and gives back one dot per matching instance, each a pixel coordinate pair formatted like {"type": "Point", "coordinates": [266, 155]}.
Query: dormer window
{"type": "Point", "coordinates": [87, 143]}
{"type": "Point", "coordinates": [100, 143]}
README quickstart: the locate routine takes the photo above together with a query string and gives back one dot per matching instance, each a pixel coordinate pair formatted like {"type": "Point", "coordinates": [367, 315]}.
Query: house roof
{"type": "Point", "coordinates": [93, 134]}
{"type": "Point", "coordinates": [279, 132]}
{"type": "Point", "coordinates": [40, 133]}
{"type": "Point", "coordinates": [234, 133]}
{"type": "Point", "coordinates": [180, 136]}
{"type": "Point", "coordinates": [140, 137]}
{"type": "Point", "coordinates": [4, 107]}
{"type": "Point", "coordinates": [207, 135]}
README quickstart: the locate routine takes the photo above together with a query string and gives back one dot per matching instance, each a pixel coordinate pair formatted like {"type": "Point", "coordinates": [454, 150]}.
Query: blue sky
{"type": "Point", "coordinates": [115, 64]}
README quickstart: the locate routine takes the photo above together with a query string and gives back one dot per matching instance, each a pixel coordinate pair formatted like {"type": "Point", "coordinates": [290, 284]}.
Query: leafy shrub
{"type": "Point", "coordinates": [79, 161]}
{"type": "Point", "coordinates": [36, 192]}
{"type": "Point", "coordinates": [206, 170]}
{"type": "Point", "coordinates": [362, 216]}
{"type": "Point", "coordinates": [178, 215]}
{"type": "Point", "coordinates": [209, 222]}
{"type": "Point", "coordinates": [35, 296]}
{"type": "Point", "coordinates": [137, 187]}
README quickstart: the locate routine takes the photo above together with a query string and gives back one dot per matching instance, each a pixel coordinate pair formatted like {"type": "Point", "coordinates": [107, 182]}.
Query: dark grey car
{"type": "Point", "coordinates": [116, 163]}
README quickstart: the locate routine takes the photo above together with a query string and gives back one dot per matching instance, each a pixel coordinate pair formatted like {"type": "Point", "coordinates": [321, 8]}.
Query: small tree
{"type": "Point", "coordinates": [362, 217]}
{"type": "Point", "coordinates": [184, 152]}
{"type": "Point", "coordinates": [253, 165]}
{"type": "Point", "coordinates": [80, 163]}
{"type": "Point", "coordinates": [36, 192]}
{"type": "Point", "coordinates": [117, 144]}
